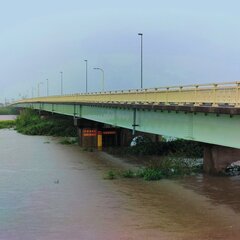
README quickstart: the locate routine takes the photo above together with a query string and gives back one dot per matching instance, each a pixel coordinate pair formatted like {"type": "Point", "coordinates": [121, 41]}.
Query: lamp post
{"type": "Point", "coordinates": [47, 87]}
{"type": "Point", "coordinates": [86, 61]}
{"type": "Point", "coordinates": [32, 92]}
{"type": "Point", "coordinates": [27, 93]}
{"type": "Point", "coordinates": [141, 35]}
{"type": "Point", "coordinates": [39, 88]}
{"type": "Point", "coordinates": [61, 83]}
{"type": "Point", "coordinates": [97, 68]}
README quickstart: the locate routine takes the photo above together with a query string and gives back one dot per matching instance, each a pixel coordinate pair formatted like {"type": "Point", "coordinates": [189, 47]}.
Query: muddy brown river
{"type": "Point", "coordinates": [50, 191]}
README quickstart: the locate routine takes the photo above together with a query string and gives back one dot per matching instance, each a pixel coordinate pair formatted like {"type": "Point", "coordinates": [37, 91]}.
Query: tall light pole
{"type": "Point", "coordinates": [32, 92]}
{"type": "Point", "coordinates": [96, 68]}
{"type": "Point", "coordinates": [39, 88]}
{"type": "Point", "coordinates": [27, 93]}
{"type": "Point", "coordinates": [141, 35]}
{"type": "Point", "coordinates": [47, 87]}
{"type": "Point", "coordinates": [61, 83]}
{"type": "Point", "coordinates": [86, 61]}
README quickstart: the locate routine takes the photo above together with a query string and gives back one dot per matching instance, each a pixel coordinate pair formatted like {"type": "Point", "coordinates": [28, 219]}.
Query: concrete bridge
{"type": "Point", "coordinates": [208, 113]}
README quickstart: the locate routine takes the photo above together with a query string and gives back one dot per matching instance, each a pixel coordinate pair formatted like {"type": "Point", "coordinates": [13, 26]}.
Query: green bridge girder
{"type": "Point", "coordinates": [219, 129]}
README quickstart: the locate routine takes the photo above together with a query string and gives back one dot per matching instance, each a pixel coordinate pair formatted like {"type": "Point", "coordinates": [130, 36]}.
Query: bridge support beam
{"type": "Point", "coordinates": [125, 137]}
{"type": "Point", "coordinates": [98, 137]}
{"type": "Point", "coordinates": [88, 137]}
{"type": "Point", "coordinates": [217, 158]}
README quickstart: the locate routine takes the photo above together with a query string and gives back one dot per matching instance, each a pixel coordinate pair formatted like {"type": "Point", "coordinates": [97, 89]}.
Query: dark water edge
{"type": "Point", "coordinates": [52, 191]}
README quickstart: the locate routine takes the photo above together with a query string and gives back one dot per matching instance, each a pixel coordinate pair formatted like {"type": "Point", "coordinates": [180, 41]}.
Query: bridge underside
{"type": "Point", "coordinates": [219, 126]}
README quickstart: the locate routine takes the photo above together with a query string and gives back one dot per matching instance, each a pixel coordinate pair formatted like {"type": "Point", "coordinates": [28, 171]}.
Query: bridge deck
{"type": "Point", "coordinates": [221, 94]}
{"type": "Point", "coordinates": [206, 113]}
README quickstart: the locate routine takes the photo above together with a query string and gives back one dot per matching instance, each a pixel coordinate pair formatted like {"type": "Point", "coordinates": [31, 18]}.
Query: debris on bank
{"type": "Point", "coordinates": [233, 169]}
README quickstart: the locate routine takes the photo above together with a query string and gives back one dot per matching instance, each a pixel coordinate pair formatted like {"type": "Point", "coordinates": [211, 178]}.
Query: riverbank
{"type": "Point", "coordinates": [165, 159]}
{"type": "Point", "coordinates": [8, 111]}
{"type": "Point", "coordinates": [7, 124]}
{"type": "Point", "coordinates": [31, 123]}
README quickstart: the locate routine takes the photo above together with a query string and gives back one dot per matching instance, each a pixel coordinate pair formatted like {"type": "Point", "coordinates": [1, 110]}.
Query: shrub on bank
{"type": "Point", "coordinates": [150, 174]}
{"type": "Point", "coordinates": [110, 175]}
{"type": "Point", "coordinates": [179, 147]}
{"type": "Point", "coordinates": [8, 111]}
{"type": "Point", "coordinates": [128, 174]}
{"type": "Point", "coordinates": [7, 124]}
{"type": "Point", "coordinates": [30, 123]}
{"type": "Point", "coordinates": [175, 158]}
{"type": "Point", "coordinates": [166, 167]}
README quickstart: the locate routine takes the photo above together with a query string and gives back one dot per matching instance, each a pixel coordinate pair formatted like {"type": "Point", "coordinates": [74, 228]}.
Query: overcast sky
{"type": "Point", "coordinates": [184, 42]}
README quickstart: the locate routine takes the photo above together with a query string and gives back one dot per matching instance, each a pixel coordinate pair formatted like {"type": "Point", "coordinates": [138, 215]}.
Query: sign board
{"type": "Point", "coordinates": [89, 132]}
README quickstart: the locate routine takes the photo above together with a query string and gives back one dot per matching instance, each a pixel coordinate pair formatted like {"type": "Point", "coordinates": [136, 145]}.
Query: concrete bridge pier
{"type": "Point", "coordinates": [98, 137]}
{"type": "Point", "coordinates": [125, 137]}
{"type": "Point", "coordinates": [217, 158]}
{"type": "Point", "coordinates": [88, 132]}
{"type": "Point", "coordinates": [93, 134]}
{"type": "Point", "coordinates": [89, 137]}
{"type": "Point", "coordinates": [92, 137]}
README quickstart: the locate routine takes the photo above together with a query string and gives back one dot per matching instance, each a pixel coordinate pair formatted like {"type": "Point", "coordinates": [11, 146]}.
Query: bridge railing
{"type": "Point", "coordinates": [214, 94]}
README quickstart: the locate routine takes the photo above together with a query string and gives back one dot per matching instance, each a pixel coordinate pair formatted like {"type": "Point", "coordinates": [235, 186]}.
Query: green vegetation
{"type": "Point", "coordinates": [150, 174]}
{"type": "Point", "coordinates": [30, 123]}
{"type": "Point", "coordinates": [166, 159]}
{"type": "Point", "coordinates": [7, 124]}
{"type": "Point", "coordinates": [165, 168]}
{"type": "Point", "coordinates": [179, 147]}
{"type": "Point", "coordinates": [110, 175]}
{"type": "Point", "coordinates": [169, 167]}
{"type": "Point", "coordinates": [8, 111]}
{"type": "Point", "coordinates": [128, 174]}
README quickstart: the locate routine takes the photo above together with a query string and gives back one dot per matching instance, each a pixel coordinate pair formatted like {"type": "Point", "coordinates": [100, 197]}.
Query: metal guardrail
{"type": "Point", "coordinates": [215, 94]}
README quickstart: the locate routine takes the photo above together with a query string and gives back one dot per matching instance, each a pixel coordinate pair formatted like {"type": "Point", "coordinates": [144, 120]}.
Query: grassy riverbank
{"type": "Point", "coordinates": [160, 168]}
{"type": "Point", "coordinates": [166, 159]}
{"type": "Point", "coordinates": [177, 148]}
{"type": "Point", "coordinates": [8, 111]}
{"type": "Point", "coordinates": [7, 124]}
{"type": "Point", "coordinates": [30, 123]}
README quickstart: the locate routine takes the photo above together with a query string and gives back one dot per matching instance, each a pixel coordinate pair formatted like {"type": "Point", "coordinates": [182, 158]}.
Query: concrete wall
{"type": "Point", "coordinates": [217, 158]}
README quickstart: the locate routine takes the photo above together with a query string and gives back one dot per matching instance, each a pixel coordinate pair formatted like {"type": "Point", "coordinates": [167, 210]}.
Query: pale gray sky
{"type": "Point", "coordinates": [184, 42]}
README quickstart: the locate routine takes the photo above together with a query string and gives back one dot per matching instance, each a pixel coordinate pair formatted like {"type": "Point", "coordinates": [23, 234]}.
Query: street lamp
{"type": "Point", "coordinates": [32, 92]}
{"type": "Point", "coordinates": [47, 88]}
{"type": "Point", "coordinates": [96, 68]}
{"type": "Point", "coordinates": [86, 61]}
{"type": "Point", "coordinates": [61, 83]}
{"type": "Point", "coordinates": [141, 35]}
{"type": "Point", "coordinates": [39, 88]}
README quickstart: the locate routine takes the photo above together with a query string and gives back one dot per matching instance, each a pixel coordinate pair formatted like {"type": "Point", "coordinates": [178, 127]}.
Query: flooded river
{"type": "Point", "coordinates": [51, 191]}
{"type": "Point", "coordinates": [7, 117]}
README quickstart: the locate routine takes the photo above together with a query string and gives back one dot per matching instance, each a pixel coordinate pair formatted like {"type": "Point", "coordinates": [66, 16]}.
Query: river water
{"type": "Point", "coordinates": [7, 117]}
{"type": "Point", "coordinates": [51, 191]}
